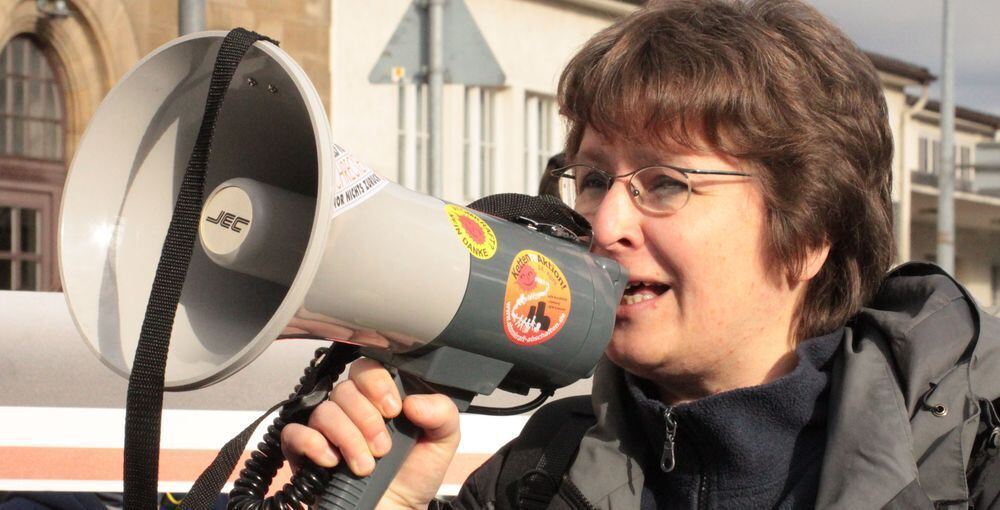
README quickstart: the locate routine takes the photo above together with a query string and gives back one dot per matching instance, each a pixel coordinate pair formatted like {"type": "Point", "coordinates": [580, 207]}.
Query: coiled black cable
{"type": "Point", "coordinates": [258, 472]}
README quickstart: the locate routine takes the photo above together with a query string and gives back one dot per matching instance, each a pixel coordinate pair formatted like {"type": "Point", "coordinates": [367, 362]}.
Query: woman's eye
{"type": "Point", "coordinates": [665, 184]}
{"type": "Point", "coordinates": [591, 180]}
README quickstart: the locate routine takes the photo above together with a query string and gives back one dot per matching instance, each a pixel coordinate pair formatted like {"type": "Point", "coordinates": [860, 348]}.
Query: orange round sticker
{"type": "Point", "coordinates": [537, 302]}
{"type": "Point", "coordinates": [475, 234]}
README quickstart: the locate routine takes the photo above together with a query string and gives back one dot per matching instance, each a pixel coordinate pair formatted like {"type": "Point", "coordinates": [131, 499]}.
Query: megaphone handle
{"type": "Point", "coordinates": [349, 491]}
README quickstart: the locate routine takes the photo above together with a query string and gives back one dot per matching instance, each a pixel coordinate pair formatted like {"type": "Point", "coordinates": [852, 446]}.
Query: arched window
{"type": "Point", "coordinates": [32, 165]}
{"type": "Point", "coordinates": [32, 109]}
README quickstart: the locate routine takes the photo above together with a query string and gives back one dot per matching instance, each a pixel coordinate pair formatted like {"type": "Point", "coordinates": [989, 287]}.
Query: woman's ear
{"type": "Point", "coordinates": [815, 258]}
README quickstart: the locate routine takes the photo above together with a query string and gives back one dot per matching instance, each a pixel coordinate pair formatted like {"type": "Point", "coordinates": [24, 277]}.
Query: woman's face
{"type": "Point", "coordinates": [702, 303]}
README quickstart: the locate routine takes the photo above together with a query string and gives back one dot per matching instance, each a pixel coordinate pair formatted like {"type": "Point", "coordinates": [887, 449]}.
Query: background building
{"type": "Point", "coordinates": [915, 123]}
{"type": "Point", "coordinates": [56, 66]}
{"type": "Point", "coordinates": [977, 210]}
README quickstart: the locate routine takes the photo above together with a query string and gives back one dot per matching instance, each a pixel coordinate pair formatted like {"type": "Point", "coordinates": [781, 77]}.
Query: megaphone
{"type": "Point", "coordinates": [299, 233]}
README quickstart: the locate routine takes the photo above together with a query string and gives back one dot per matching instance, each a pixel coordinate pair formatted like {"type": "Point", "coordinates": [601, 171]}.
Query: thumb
{"type": "Point", "coordinates": [421, 474]}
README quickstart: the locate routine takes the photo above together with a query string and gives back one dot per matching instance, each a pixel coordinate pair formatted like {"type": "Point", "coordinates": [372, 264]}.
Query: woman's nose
{"type": "Point", "coordinates": [616, 222]}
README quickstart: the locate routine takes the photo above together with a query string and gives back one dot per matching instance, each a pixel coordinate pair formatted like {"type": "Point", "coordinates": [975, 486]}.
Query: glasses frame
{"type": "Point", "coordinates": [561, 173]}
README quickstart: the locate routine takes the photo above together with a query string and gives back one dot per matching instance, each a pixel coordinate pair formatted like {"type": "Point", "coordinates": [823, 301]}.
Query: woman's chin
{"type": "Point", "coordinates": [632, 361]}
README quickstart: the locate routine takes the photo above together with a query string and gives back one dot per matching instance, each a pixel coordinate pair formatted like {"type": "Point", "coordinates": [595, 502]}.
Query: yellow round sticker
{"type": "Point", "coordinates": [475, 234]}
{"type": "Point", "coordinates": [537, 302]}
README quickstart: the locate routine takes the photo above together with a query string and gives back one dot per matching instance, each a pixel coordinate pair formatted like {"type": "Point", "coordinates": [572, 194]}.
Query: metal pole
{"type": "Point", "coordinates": [190, 16]}
{"type": "Point", "coordinates": [946, 179]}
{"type": "Point", "coordinates": [435, 79]}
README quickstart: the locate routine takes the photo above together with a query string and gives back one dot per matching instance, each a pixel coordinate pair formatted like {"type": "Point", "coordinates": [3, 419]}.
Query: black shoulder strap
{"type": "Point", "coordinates": [983, 474]}
{"type": "Point", "coordinates": [144, 400]}
{"type": "Point", "coordinates": [533, 469]}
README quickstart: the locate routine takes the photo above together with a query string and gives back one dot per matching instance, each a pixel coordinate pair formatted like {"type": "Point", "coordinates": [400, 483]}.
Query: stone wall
{"type": "Point", "coordinates": [101, 40]}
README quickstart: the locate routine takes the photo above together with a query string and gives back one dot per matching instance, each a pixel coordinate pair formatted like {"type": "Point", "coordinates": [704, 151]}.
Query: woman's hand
{"type": "Point", "coordinates": [350, 427]}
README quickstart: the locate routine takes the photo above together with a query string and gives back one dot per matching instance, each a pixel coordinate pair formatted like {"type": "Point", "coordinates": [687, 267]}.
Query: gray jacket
{"type": "Point", "coordinates": [905, 400]}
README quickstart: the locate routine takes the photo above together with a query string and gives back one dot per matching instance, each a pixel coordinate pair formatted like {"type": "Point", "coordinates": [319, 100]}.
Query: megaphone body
{"type": "Point", "coordinates": [299, 236]}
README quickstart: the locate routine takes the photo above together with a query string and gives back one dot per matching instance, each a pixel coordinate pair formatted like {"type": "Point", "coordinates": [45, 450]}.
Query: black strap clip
{"type": "Point", "coordinates": [992, 443]}
{"type": "Point", "coordinates": [554, 230]}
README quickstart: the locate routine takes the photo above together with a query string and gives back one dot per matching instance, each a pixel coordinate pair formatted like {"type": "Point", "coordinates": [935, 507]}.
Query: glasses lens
{"type": "Point", "coordinates": [583, 188]}
{"type": "Point", "coordinates": [661, 189]}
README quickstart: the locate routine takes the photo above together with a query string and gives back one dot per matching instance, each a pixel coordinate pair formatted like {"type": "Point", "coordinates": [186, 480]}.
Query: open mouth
{"type": "Point", "coordinates": [637, 292]}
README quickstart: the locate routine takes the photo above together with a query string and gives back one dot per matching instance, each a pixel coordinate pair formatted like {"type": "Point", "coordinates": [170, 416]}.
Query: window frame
{"type": "Point", "coordinates": [413, 157]}
{"type": "Point", "coordinates": [34, 183]}
{"type": "Point", "coordinates": [20, 200]}
{"type": "Point", "coordinates": [923, 154]}
{"type": "Point", "coordinates": [543, 136]}
{"type": "Point", "coordinates": [49, 85]}
{"type": "Point", "coordinates": [995, 283]}
{"type": "Point", "coordinates": [480, 141]}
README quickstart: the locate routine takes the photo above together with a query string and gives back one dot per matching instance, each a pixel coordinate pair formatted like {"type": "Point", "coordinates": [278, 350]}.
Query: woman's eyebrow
{"type": "Point", "coordinates": [652, 157]}
{"type": "Point", "coordinates": [590, 157]}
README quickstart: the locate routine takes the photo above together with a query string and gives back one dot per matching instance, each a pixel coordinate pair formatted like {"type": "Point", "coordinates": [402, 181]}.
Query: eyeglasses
{"type": "Point", "coordinates": [658, 189]}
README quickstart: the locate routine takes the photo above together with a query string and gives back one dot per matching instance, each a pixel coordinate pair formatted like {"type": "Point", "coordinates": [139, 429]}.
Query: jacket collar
{"type": "Point", "coordinates": [607, 467]}
{"type": "Point", "coordinates": [907, 354]}
{"type": "Point", "coordinates": [868, 457]}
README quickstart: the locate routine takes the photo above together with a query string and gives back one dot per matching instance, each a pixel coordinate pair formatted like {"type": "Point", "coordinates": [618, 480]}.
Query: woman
{"type": "Point", "coordinates": [735, 158]}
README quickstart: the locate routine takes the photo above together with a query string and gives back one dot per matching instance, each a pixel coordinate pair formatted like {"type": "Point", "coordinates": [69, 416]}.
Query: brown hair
{"type": "Point", "coordinates": [777, 86]}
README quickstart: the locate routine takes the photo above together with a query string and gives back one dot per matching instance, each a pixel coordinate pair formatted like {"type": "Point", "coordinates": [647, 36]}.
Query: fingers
{"type": "Point", "coordinates": [333, 423]}
{"type": "Point", "coordinates": [364, 415]}
{"type": "Point", "coordinates": [299, 442]}
{"type": "Point", "coordinates": [376, 384]}
{"type": "Point", "coordinates": [352, 422]}
{"type": "Point", "coordinates": [435, 414]}
{"type": "Point", "coordinates": [350, 426]}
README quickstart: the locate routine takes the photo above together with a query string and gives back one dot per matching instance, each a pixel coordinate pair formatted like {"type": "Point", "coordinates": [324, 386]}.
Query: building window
{"type": "Point", "coordinates": [543, 137]}
{"type": "Point", "coordinates": [965, 170]}
{"type": "Point", "coordinates": [480, 143]}
{"type": "Point", "coordinates": [31, 109]}
{"type": "Point", "coordinates": [414, 154]}
{"type": "Point", "coordinates": [20, 242]}
{"type": "Point", "coordinates": [922, 155]}
{"type": "Point", "coordinates": [936, 157]}
{"type": "Point", "coordinates": [32, 165]}
{"type": "Point", "coordinates": [995, 277]}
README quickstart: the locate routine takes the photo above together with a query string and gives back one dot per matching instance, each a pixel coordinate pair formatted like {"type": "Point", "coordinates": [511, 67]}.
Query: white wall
{"type": "Point", "coordinates": [895, 100]}
{"type": "Point", "coordinates": [977, 252]}
{"type": "Point", "coordinates": [531, 39]}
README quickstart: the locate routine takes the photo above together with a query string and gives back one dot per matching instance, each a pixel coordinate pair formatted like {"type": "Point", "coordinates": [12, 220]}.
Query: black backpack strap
{"type": "Point", "coordinates": [538, 459]}
{"type": "Point", "coordinates": [984, 465]}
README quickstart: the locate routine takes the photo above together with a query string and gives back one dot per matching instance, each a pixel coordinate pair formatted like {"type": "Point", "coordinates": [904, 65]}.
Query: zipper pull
{"type": "Point", "coordinates": [667, 460]}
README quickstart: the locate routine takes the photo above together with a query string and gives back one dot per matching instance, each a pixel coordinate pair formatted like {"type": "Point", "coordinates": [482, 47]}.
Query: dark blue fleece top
{"type": "Point", "coordinates": [757, 447]}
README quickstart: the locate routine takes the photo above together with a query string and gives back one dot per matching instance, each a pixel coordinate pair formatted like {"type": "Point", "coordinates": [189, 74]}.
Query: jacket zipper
{"type": "Point", "coordinates": [571, 493]}
{"type": "Point", "coordinates": [667, 460]}
{"type": "Point", "coordinates": [702, 493]}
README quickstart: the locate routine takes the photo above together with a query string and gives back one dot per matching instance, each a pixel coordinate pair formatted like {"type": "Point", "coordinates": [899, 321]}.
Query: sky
{"type": "Point", "coordinates": [910, 30]}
